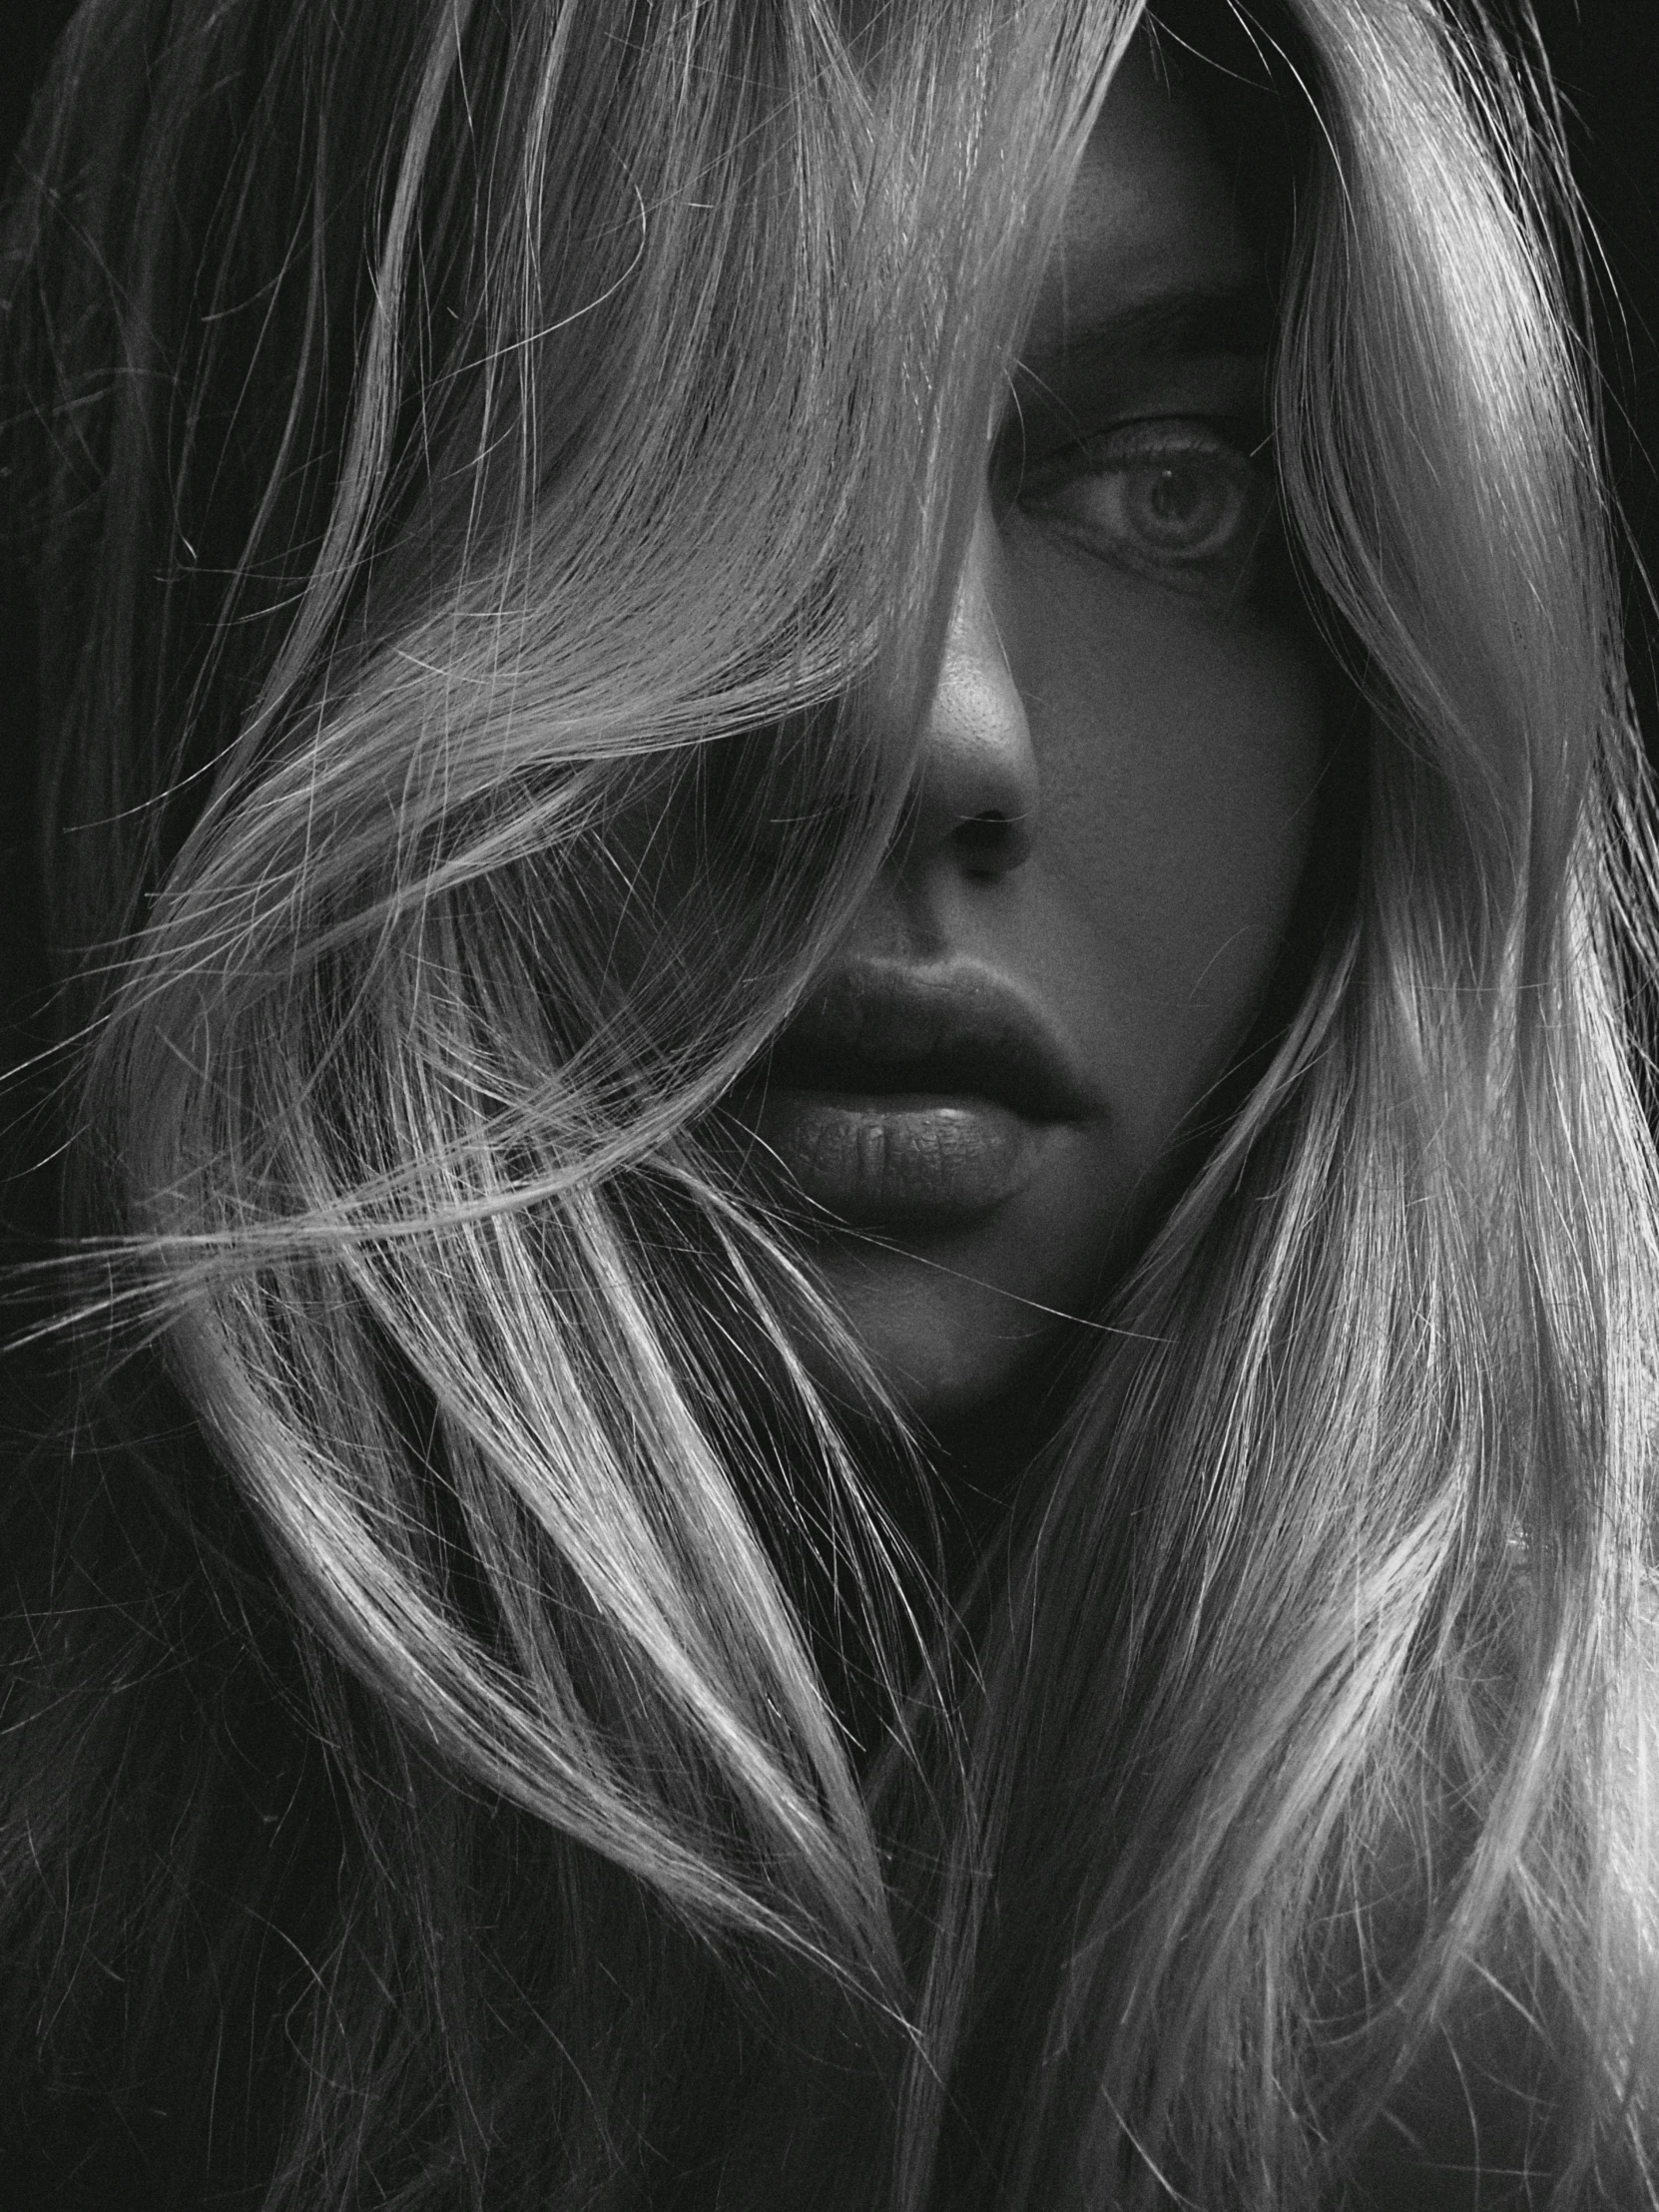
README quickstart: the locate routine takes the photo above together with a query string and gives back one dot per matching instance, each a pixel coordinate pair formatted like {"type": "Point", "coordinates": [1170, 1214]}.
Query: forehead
{"type": "Point", "coordinates": [1149, 212]}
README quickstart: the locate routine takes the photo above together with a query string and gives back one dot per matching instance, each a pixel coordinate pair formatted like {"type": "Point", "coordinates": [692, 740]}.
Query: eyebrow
{"type": "Point", "coordinates": [1168, 325]}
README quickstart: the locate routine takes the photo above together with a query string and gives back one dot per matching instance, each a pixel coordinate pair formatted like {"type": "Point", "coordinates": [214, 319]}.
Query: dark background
{"type": "Point", "coordinates": [1605, 54]}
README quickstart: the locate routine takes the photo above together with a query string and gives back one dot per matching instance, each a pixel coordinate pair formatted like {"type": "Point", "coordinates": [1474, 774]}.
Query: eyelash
{"type": "Point", "coordinates": [1108, 465]}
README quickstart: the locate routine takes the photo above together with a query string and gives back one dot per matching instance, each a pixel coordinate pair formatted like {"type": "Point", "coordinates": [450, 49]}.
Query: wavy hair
{"type": "Point", "coordinates": [490, 477]}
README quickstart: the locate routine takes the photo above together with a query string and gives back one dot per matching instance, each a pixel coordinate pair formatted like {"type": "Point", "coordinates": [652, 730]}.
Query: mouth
{"type": "Point", "coordinates": [904, 1095]}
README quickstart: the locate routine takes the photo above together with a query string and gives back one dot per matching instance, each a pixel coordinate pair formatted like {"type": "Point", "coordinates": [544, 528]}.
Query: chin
{"type": "Point", "coordinates": [944, 1342]}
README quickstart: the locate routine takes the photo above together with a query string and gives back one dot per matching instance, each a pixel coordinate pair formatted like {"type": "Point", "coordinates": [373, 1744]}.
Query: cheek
{"type": "Point", "coordinates": [1180, 755]}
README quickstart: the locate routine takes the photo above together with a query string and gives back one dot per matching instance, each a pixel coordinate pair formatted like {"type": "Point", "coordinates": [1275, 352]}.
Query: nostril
{"type": "Point", "coordinates": [990, 840]}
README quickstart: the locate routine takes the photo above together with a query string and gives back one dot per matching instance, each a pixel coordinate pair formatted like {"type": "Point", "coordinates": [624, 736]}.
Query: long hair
{"type": "Point", "coordinates": [489, 478]}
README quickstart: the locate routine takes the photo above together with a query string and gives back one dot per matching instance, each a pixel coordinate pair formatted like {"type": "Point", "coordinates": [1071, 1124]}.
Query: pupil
{"type": "Point", "coordinates": [1176, 495]}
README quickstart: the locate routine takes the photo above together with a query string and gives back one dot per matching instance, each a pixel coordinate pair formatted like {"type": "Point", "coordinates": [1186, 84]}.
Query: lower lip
{"type": "Point", "coordinates": [910, 1158]}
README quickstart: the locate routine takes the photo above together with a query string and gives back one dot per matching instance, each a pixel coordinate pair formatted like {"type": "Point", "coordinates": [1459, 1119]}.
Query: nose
{"type": "Point", "coordinates": [976, 803]}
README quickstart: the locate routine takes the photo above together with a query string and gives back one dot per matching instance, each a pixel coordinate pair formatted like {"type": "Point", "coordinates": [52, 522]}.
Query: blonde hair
{"type": "Point", "coordinates": [492, 480]}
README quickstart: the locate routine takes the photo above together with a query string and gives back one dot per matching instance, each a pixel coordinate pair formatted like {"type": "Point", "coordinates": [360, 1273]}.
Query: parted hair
{"type": "Point", "coordinates": [485, 479]}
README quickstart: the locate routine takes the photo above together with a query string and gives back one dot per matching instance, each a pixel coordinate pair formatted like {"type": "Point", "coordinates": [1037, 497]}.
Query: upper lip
{"type": "Point", "coordinates": [957, 1029]}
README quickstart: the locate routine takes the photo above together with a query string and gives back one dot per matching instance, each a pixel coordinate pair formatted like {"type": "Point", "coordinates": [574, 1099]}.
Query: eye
{"type": "Point", "coordinates": [1175, 499]}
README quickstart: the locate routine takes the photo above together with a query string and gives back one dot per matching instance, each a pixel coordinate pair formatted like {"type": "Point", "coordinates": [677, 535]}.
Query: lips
{"type": "Point", "coordinates": [917, 1095]}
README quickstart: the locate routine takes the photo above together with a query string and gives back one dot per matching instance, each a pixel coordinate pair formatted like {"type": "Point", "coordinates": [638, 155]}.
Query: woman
{"type": "Point", "coordinates": [842, 879]}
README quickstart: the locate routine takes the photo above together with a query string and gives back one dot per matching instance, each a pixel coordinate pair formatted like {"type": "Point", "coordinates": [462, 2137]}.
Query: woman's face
{"type": "Point", "coordinates": [1115, 804]}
